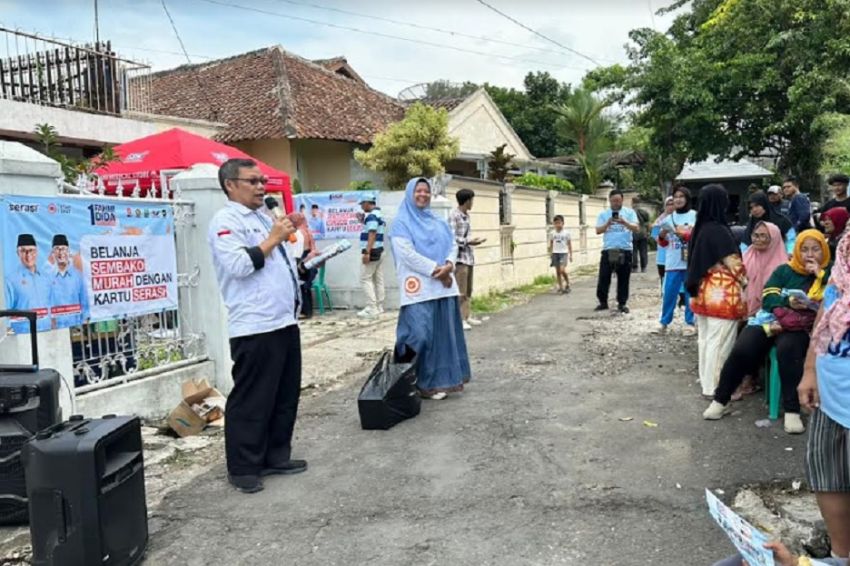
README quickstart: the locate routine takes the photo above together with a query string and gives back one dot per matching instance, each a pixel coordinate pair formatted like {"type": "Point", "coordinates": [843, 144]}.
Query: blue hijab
{"type": "Point", "coordinates": [430, 234]}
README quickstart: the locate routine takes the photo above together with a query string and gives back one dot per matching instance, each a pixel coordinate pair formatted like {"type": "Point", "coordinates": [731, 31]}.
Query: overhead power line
{"type": "Point", "coordinates": [390, 36]}
{"type": "Point", "coordinates": [414, 25]}
{"type": "Point", "coordinates": [540, 35]}
{"type": "Point", "coordinates": [205, 93]}
{"type": "Point", "coordinates": [176, 33]}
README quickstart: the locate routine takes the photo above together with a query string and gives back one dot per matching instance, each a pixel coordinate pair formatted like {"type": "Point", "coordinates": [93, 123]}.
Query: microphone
{"type": "Point", "coordinates": [274, 208]}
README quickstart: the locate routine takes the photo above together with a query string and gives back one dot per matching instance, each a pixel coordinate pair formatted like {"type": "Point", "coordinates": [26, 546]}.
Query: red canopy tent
{"type": "Point", "coordinates": [150, 159]}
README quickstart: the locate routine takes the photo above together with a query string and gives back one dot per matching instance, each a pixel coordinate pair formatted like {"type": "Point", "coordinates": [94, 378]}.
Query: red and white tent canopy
{"type": "Point", "coordinates": [143, 160]}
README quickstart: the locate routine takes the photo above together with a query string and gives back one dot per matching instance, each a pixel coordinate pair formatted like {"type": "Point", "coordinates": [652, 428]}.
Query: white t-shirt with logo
{"type": "Point", "coordinates": [560, 241]}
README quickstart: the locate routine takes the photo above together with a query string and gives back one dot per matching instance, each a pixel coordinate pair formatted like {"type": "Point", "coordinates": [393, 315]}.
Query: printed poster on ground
{"type": "Point", "coordinates": [747, 539]}
{"type": "Point", "coordinates": [76, 260]}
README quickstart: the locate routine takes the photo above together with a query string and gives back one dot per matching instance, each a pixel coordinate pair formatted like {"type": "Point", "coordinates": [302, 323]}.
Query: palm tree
{"type": "Point", "coordinates": [581, 120]}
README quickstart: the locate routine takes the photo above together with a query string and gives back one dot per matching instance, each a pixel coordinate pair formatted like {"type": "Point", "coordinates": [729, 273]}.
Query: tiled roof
{"type": "Point", "coordinates": [271, 93]}
{"type": "Point", "coordinates": [447, 103]}
{"type": "Point", "coordinates": [340, 66]}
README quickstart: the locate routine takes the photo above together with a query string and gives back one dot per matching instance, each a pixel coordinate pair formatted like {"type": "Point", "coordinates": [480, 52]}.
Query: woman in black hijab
{"type": "Point", "coordinates": [762, 211]}
{"type": "Point", "coordinates": [716, 280]}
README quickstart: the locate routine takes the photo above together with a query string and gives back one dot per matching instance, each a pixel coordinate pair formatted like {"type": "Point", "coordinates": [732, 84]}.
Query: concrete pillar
{"type": "Point", "coordinates": [207, 314]}
{"type": "Point", "coordinates": [24, 171]}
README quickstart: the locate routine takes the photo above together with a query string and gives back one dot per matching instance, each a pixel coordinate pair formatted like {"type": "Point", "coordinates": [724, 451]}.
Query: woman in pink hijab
{"type": "Point", "coordinates": [309, 243]}
{"type": "Point", "coordinates": [304, 248]}
{"type": "Point", "coordinates": [766, 253]}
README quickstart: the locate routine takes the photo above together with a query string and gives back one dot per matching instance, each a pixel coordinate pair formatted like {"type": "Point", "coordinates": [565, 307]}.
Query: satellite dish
{"type": "Point", "coordinates": [413, 93]}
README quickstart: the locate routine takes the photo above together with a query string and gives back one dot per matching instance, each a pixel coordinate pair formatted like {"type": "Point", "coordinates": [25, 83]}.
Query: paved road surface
{"type": "Point", "coordinates": [530, 466]}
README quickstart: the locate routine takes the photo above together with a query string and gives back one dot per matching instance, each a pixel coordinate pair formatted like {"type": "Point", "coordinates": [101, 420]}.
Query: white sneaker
{"type": "Point", "coordinates": [368, 312]}
{"type": "Point", "coordinates": [689, 330]}
{"type": "Point", "coordinates": [715, 411]}
{"type": "Point", "coordinates": [438, 396]}
{"type": "Point", "coordinates": [466, 325]}
{"type": "Point", "coordinates": [474, 321]}
{"type": "Point", "coordinates": [794, 424]}
{"type": "Point", "coordinates": [660, 329]}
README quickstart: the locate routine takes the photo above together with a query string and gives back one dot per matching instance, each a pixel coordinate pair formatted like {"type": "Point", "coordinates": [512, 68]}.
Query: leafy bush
{"type": "Point", "coordinates": [361, 186]}
{"type": "Point", "coordinates": [548, 182]}
{"type": "Point", "coordinates": [417, 146]}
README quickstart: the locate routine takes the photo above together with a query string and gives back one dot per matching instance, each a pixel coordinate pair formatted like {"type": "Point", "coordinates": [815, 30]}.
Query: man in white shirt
{"type": "Point", "coordinates": [258, 279]}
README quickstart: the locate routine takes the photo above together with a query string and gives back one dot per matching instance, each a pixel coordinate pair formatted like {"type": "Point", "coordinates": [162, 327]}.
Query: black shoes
{"type": "Point", "coordinates": [253, 484]}
{"type": "Point", "coordinates": [601, 308]}
{"type": "Point", "coordinates": [286, 468]}
{"type": "Point", "coordinates": [246, 484]}
{"type": "Point", "coordinates": [623, 309]}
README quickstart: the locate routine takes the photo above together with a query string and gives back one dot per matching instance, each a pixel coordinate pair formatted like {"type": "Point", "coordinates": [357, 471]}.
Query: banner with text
{"type": "Point", "coordinates": [76, 260]}
{"type": "Point", "coordinates": [333, 215]}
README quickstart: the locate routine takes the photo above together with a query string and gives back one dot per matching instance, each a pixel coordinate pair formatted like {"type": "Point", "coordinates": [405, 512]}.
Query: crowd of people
{"type": "Point", "coordinates": [743, 290]}
{"type": "Point", "coordinates": [779, 282]}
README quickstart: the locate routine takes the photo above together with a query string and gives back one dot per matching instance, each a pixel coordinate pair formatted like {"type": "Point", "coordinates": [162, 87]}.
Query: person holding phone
{"type": "Point", "coordinates": [617, 225]}
{"type": "Point", "coordinates": [461, 227]}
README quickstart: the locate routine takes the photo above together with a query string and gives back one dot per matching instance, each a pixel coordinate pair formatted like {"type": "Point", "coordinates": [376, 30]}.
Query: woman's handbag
{"type": "Point", "coordinates": [794, 320]}
{"type": "Point", "coordinates": [389, 395]}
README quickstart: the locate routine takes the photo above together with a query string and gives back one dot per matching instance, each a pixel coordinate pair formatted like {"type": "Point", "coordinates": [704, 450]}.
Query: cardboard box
{"type": "Point", "coordinates": [202, 404]}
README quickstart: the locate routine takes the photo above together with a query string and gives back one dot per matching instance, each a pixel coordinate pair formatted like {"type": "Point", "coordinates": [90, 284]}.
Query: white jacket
{"type": "Point", "coordinates": [414, 274]}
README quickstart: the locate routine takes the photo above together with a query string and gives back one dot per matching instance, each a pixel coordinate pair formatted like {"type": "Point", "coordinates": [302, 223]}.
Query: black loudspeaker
{"type": "Point", "coordinates": [86, 488]}
{"type": "Point", "coordinates": [29, 402]}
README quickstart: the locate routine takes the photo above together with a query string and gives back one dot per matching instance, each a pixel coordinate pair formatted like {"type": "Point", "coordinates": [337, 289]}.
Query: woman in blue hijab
{"type": "Point", "coordinates": [429, 323]}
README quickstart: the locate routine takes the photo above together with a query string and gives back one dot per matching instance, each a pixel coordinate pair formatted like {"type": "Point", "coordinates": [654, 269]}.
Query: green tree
{"type": "Point", "coordinates": [734, 78]}
{"type": "Point", "coordinates": [581, 120]}
{"type": "Point", "coordinates": [658, 166]}
{"type": "Point", "coordinates": [499, 163]}
{"type": "Point", "coordinates": [530, 112]}
{"type": "Point", "coordinates": [418, 145]}
{"type": "Point", "coordinates": [72, 168]}
{"type": "Point", "coordinates": [836, 149]}
{"type": "Point", "coordinates": [441, 90]}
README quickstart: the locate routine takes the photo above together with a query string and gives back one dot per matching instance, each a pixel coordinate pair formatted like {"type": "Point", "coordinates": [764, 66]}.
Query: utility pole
{"type": "Point", "coordinates": [96, 26]}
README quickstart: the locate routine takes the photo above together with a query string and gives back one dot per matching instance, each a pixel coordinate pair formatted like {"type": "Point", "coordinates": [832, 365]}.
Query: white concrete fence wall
{"type": "Point", "coordinates": [495, 270]}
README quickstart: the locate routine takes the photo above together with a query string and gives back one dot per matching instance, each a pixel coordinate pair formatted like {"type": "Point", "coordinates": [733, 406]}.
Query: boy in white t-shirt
{"type": "Point", "coordinates": [561, 248]}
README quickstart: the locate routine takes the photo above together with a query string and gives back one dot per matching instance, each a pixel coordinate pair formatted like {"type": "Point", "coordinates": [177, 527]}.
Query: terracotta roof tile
{"type": "Point", "coordinates": [270, 93]}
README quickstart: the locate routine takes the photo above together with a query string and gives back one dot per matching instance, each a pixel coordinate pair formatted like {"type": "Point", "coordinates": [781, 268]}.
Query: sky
{"type": "Point", "coordinates": [390, 55]}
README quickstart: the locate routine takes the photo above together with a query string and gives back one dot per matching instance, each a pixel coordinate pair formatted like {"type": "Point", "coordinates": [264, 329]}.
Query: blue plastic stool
{"type": "Point", "coordinates": [773, 387]}
{"type": "Point", "coordinates": [322, 291]}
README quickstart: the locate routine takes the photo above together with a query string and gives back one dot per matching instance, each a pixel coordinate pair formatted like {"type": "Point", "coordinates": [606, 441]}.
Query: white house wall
{"type": "Point", "coordinates": [481, 128]}
{"type": "Point", "coordinates": [18, 119]}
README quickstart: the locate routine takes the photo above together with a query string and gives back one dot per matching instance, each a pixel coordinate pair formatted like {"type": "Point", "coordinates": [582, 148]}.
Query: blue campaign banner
{"type": "Point", "coordinates": [333, 215]}
{"type": "Point", "coordinates": [76, 260]}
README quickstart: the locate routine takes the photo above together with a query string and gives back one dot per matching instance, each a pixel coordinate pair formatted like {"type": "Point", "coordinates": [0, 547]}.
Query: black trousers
{"type": "Point", "coordinates": [749, 351]}
{"type": "Point", "coordinates": [623, 269]}
{"type": "Point", "coordinates": [640, 250]}
{"type": "Point", "coordinates": [307, 293]}
{"type": "Point", "coordinates": [262, 407]}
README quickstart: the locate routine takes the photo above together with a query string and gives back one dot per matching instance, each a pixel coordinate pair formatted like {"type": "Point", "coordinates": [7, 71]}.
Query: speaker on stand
{"type": "Point", "coordinates": [29, 402]}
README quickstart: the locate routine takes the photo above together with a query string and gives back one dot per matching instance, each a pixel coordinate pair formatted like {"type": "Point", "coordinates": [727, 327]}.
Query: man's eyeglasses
{"type": "Point", "coordinates": [253, 181]}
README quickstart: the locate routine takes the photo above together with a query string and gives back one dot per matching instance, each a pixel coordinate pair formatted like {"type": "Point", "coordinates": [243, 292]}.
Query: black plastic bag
{"type": "Point", "coordinates": [389, 396]}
